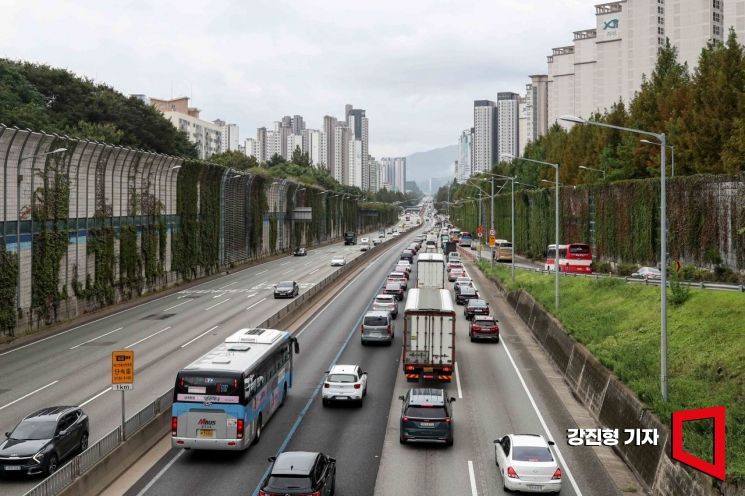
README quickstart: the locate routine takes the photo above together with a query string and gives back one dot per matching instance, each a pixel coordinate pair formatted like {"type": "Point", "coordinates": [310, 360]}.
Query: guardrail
{"type": "Point", "coordinates": [714, 286]}
{"type": "Point", "coordinates": [68, 473]}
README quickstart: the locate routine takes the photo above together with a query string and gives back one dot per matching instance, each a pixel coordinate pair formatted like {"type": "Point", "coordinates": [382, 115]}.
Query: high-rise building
{"type": "Point", "coordinates": [204, 134]}
{"type": "Point", "coordinates": [297, 124]}
{"type": "Point", "coordinates": [522, 127]}
{"type": "Point", "coordinates": [228, 135]}
{"type": "Point", "coordinates": [399, 169]}
{"type": "Point", "coordinates": [340, 170]}
{"type": "Point", "coordinates": [387, 174]}
{"type": "Point", "coordinates": [508, 129]}
{"type": "Point", "coordinates": [354, 164]}
{"type": "Point", "coordinates": [484, 135]}
{"type": "Point", "coordinates": [733, 12]}
{"type": "Point", "coordinates": [358, 124]}
{"type": "Point", "coordinates": [261, 144]}
{"type": "Point", "coordinates": [375, 175]}
{"type": "Point", "coordinates": [250, 148]}
{"type": "Point", "coordinates": [294, 142]}
{"type": "Point", "coordinates": [465, 155]}
{"type": "Point", "coordinates": [313, 142]}
{"type": "Point", "coordinates": [536, 106]}
{"type": "Point", "coordinates": [329, 126]}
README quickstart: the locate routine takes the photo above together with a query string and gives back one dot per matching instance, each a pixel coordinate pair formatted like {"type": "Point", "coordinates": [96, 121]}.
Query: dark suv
{"type": "Point", "coordinates": [300, 472]}
{"type": "Point", "coordinates": [43, 439]}
{"type": "Point", "coordinates": [426, 415]}
{"type": "Point", "coordinates": [475, 306]}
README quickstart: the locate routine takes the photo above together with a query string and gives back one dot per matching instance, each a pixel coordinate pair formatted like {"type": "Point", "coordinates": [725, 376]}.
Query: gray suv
{"type": "Point", "coordinates": [426, 416]}
{"type": "Point", "coordinates": [377, 326]}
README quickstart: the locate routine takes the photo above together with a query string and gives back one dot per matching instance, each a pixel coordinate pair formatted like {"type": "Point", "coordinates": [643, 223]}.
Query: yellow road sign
{"type": "Point", "coordinates": [122, 367]}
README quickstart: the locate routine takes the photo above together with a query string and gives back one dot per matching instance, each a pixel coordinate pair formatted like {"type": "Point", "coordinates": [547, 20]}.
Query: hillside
{"type": "Point", "coordinates": [436, 163]}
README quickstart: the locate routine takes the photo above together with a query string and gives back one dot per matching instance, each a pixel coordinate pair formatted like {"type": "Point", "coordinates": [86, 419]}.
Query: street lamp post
{"type": "Point", "coordinates": [512, 218]}
{"type": "Point", "coordinates": [672, 150]}
{"type": "Point", "coordinates": [663, 238]}
{"type": "Point", "coordinates": [594, 170]}
{"type": "Point", "coordinates": [556, 218]}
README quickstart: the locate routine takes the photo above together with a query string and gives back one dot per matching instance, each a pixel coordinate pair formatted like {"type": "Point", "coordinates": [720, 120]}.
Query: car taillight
{"type": "Point", "coordinates": [326, 385]}
{"type": "Point", "coordinates": [240, 426]}
{"type": "Point", "coordinates": [362, 328]}
{"type": "Point", "coordinates": [409, 368]}
{"type": "Point", "coordinates": [446, 369]}
{"type": "Point", "coordinates": [389, 329]}
{"type": "Point", "coordinates": [557, 474]}
{"type": "Point", "coordinates": [476, 327]}
{"type": "Point", "coordinates": [174, 425]}
{"type": "Point", "coordinates": [263, 493]}
{"type": "Point", "coordinates": [404, 419]}
{"type": "Point", "coordinates": [511, 473]}
{"type": "Point", "coordinates": [448, 420]}
{"type": "Point", "coordinates": [357, 386]}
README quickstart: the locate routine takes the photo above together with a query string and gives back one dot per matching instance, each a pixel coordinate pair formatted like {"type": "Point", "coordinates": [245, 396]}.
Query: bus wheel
{"type": "Point", "coordinates": [257, 436]}
{"type": "Point", "coordinates": [284, 395]}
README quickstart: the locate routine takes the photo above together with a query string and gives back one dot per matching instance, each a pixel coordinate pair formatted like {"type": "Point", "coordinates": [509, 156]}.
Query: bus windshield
{"type": "Point", "coordinates": [579, 249]}
{"type": "Point", "coordinates": [214, 387]}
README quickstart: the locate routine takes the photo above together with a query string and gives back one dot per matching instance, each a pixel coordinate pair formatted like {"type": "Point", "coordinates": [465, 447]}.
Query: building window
{"type": "Point", "coordinates": [717, 4]}
{"type": "Point", "coordinates": [660, 31]}
{"type": "Point", "coordinates": [717, 32]}
{"type": "Point", "coordinates": [717, 17]}
{"type": "Point", "coordinates": [660, 20]}
{"type": "Point", "coordinates": [660, 10]}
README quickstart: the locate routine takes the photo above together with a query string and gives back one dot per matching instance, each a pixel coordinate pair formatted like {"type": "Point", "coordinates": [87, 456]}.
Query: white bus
{"type": "Point", "coordinates": [222, 400]}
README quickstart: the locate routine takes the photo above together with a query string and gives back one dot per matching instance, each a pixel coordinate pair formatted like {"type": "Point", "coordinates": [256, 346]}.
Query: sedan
{"type": "Point", "coordinates": [394, 288]}
{"type": "Point", "coordinates": [344, 383]}
{"type": "Point", "coordinates": [526, 463]}
{"type": "Point", "coordinates": [484, 327]}
{"type": "Point", "coordinates": [648, 273]}
{"type": "Point", "coordinates": [300, 473]}
{"type": "Point", "coordinates": [464, 294]}
{"type": "Point", "coordinates": [300, 252]}
{"type": "Point", "coordinates": [43, 439]}
{"type": "Point", "coordinates": [286, 289]}
{"type": "Point", "coordinates": [455, 273]}
{"type": "Point", "coordinates": [462, 281]}
{"type": "Point", "coordinates": [475, 306]}
{"type": "Point", "coordinates": [338, 261]}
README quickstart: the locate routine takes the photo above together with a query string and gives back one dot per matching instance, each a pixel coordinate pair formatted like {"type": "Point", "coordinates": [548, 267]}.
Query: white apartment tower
{"type": "Point", "coordinates": [294, 142]}
{"type": "Point", "coordinates": [465, 155]}
{"type": "Point", "coordinates": [484, 135]}
{"type": "Point", "coordinates": [508, 129]}
{"type": "Point", "coordinates": [312, 141]}
{"type": "Point", "coordinates": [228, 135]}
{"type": "Point", "coordinates": [340, 170]}
{"type": "Point", "coordinates": [329, 130]}
{"type": "Point", "coordinates": [536, 107]}
{"type": "Point", "coordinates": [358, 124]}
{"type": "Point", "coordinates": [250, 148]}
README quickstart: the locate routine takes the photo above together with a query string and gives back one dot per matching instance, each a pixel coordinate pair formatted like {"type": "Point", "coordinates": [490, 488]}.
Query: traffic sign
{"type": "Point", "coordinates": [122, 368]}
{"type": "Point", "coordinates": [123, 387]}
{"type": "Point", "coordinates": [480, 230]}
{"type": "Point", "coordinates": [492, 233]}
{"type": "Point", "coordinates": [492, 239]}
{"type": "Point", "coordinates": [677, 266]}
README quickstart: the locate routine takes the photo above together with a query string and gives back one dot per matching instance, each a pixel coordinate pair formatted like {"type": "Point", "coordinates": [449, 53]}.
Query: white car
{"type": "Point", "coordinates": [387, 303]}
{"type": "Point", "coordinates": [338, 261]}
{"type": "Point", "coordinates": [365, 242]}
{"type": "Point", "coordinates": [344, 383]}
{"type": "Point", "coordinates": [526, 463]}
{"type": "Point", "coordinates": [406, 264]}
{"type": "Point", "coordinates": [377, 241]}
{"type": "Point", "coordinates": [395, 233]}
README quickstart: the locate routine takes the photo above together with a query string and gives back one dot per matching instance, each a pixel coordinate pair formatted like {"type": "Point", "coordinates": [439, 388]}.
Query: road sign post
{"type": "Point", "coordinates": [122, 375]}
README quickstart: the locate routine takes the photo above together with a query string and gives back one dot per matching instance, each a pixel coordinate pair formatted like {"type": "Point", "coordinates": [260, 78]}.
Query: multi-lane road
{"type": "Point", "coordinates": [73, 367]}
{"type": "Point", "coordinates": [499, 389]}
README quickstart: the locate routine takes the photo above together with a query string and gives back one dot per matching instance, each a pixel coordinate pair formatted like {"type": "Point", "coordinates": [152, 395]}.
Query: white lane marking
{"type": "Point", "coordinates": [27, 395]}
{"type": "Point", "coordinates": [148, 337]}
{"type": "Point", "coordinates": [174, 306]}
{"type": "Point", "coordinates": [251, 295]}
{"type": "Point", "coordinates": [262, 272]}
{"type": "Point", "coordinates": [292, 270]}
{"type": "Point", "coordinates": [95, 397]}
{"type": "Point", "coordinates": [97, 337]}
{"type": "Point", "coordinates": [306, 264]}
{"type": "Point", "coordinates": [543, 422]}
{"type": "Point", "coordinates": [284, 263]}
{"type": "Point", "coordinates": [250, 307]}
{"type": "Point", "coordinates": [218, 296]}
{"type": "Point", "coordinates": [235, 282]}
{"type": "Point", "coordinates": [457, 381]}
{"type": "Point", "coordinates": [205, 332]}
{"type": "Point", "coordinates": [472, 478]}
{"type": "Point", "coordinates": [216, 304]}
{"type": "Point", "coordinates": [314, 271]}
{"type": "Point", "coordinates": [160, 474]}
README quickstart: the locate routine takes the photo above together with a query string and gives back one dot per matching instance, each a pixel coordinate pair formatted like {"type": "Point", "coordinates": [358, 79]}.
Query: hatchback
{"type": "Point", "coordinates": [455, 273]}
{"type": "Point", "coordinates": [484, 327]}
{"type": "Point", "coordinates": [387, 303]}
{"type": "Point", "coordinates": [426, 416]}
{"type": "Point", "coordinates": [475, 306]}
{"type": "Point", "coordinates": [377, 327]}
{"type": "Point", "coordinates": [344, 383]}
{"type": "Point", "coordinates": [300, 473]}
{"type": "Point", "coordinates": [526, 463]}
{"type": "Point", "coordinates": [43, 439]}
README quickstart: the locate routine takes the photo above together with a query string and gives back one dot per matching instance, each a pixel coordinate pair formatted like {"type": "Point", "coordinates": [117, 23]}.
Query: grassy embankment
{"type": "Point", "coordinates": [620, 324]}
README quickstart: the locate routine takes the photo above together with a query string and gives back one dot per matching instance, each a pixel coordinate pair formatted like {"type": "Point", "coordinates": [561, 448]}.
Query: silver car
{"type": "Point", "coordinates": [377, 326]}
{"type": "Point", "coordinates": [386, 303]}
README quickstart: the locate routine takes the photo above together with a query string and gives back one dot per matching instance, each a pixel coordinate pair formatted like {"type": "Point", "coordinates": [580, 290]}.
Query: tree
{"type": "Point", "coordinates": [300, 158]}
{"type": "Point", "coordinates": [275, 160]}
{"type": "Point", "coordinates": [234, 159]}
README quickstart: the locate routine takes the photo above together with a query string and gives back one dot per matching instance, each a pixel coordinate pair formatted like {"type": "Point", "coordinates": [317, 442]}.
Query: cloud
{"type": "Point", "coordinates": [415, 66]}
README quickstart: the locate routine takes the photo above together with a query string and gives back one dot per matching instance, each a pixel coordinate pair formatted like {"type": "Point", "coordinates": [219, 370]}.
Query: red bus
{"type": "Point", "coordinates": [574, 257]}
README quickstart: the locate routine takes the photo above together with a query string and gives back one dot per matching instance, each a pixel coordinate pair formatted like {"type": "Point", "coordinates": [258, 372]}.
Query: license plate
{"type": "Point", "coordinates": [12, 467]}
{"type": "Point", "coordinates": [428, 369]}
{"type": "Point", "coordinates": [426, 424]}
{"type": "Point", "coordinates": [535, 487]}
{"type": "Point", "coordinates": [342, 398]}
{"type": "Point", "coordinates": [206, 433]}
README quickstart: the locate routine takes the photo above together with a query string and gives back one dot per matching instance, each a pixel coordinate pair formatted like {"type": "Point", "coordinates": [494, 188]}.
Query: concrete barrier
{"type": "Point", "coordinates": [614, 405]}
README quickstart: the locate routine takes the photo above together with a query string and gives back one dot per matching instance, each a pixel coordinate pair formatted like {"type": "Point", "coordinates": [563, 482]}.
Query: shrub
{"type": "Point", "coordinates": [601, 266]}
{"type": "Point", "coordinates": [679, 291]}
{"type": "Point", "coordinates": [626, 269]}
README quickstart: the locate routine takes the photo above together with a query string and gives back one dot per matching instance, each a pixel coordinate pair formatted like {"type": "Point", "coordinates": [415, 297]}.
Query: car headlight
{"type": "Point", "coordinates": [38, 457]}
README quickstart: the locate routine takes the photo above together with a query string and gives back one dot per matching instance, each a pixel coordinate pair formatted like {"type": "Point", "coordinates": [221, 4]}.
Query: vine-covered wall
{"type": "Point", "coordinates": [84, 224]}
{"type": "Point", "coordinates": [621, 219]}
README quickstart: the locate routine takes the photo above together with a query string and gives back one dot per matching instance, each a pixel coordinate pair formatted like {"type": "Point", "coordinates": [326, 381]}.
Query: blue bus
{"type": "Point", "coordinates": [223, 400]}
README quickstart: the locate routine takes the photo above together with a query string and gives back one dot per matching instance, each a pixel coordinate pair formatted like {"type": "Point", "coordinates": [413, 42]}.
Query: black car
{"type": "Point", "coordinates": [395, 289]}
{"type": "Point", "coordinates": [475, 306]}
{"type": "Point", "coordinates": [426, 415]}
{"type": "Point", "coordinates": [464, 294]}
{"type": "Point", "coordinates": [300, 472]}
{"type": "Point", "coordinates": [408, 255]}
{"type": "Point", "coordinates": [286, 289]}
{"type": "Point", "coordinates": [43, 439]}
{"type": "Point", "coordinates": [300, 252]}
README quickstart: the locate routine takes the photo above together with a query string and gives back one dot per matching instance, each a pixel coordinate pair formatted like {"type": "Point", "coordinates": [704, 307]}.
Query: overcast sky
{"type": "Point", "coordinates": [416, 66]}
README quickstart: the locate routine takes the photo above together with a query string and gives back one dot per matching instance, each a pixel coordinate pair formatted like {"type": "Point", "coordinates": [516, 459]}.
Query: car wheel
{"type": "Point", "coordinates": [401, 440]}
{"type": "Point", "coordinates": [497, 339]}
{"type": "Point", "coordinates": [449, 442]}
{"type": "Point", "coordinates": [284, 396]}
{"type": "Point", "coordinates": [363, 342]}
{"type": "Point", "coordinates": [52, 464]}
{"type": "Point", "coordinates": [257, 436]}
{"type": "Point", "coordinates": [472, 339]}
{"type": "Point", "coordinates": [83, 442]}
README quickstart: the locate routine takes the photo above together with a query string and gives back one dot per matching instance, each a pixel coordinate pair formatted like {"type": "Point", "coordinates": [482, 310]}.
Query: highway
{"type": "Point", "coordinates": [167, 333]}
{"type": "Point", "coordinates": [497, 392]}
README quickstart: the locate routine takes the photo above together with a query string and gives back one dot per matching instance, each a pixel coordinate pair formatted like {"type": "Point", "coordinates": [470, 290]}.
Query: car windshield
{"type": "Point", "coordinates": [531, 454]}
{"type": "Point", "coordinates": [427, 412]}
{"type": "Point", "coordinates": [283, 482]}
{"type": "Point", "coordinates": [376, 321]}
{"type": "Point", "coordinates": [34, 429]}
{"type": "Point", "coordinates": [345, 378]}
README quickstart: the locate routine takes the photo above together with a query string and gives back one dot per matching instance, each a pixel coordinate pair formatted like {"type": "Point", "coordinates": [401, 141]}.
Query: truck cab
{"type": "Point", "coordinates": [350, 238]}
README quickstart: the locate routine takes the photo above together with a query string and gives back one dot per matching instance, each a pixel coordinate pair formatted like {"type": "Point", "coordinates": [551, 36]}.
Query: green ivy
{"type": "Point", "coordinates": [273, 231]}
{"type": "Point", "coordinates": [185, 247]}
{"type": "Point", "coordinates": [130, 263]}
{"type": "Point", "coordinates": [258, 208]}
{"type": "Point", "coordinates": [8, 284]}
{"type": "Point", "coordinates": [100, 244]}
